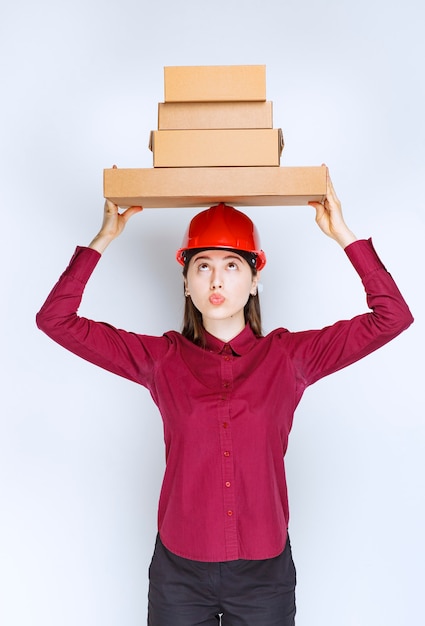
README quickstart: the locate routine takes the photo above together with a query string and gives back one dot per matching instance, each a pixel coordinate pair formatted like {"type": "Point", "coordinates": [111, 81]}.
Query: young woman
{"type": "Point", "coordinates": [227, 395]}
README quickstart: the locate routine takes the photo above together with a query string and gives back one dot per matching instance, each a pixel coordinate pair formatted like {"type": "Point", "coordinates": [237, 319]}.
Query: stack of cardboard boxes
{"type": "Point", "coordinates": [216, 117]}
{"type": "Point", "coordinates": [215, 143]}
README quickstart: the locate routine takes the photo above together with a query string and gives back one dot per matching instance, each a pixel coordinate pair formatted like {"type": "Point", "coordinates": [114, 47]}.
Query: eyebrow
{"type": "Point", "coordinates": [226, 258]}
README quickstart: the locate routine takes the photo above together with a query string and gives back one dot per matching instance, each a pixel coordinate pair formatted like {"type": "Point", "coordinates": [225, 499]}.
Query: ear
{"type": "Point", "coordinates": [255, 281]}
{"type": "Point", "coordinates": [186, 290]}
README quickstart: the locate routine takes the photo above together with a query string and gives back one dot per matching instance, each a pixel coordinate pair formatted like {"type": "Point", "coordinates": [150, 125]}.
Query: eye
{"type": "Point", "coordinates": [203, 267]}
{"type": "Point", "coordinates": [232, 265]}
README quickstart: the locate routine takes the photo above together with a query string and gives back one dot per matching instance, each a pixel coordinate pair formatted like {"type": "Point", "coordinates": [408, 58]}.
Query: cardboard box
{"type": "Point", "coordinates": [216, 148]}
{"type": "Point", "coordinates": [209, 115]}
{"type": "Point", "coordinates": [199, 187]}
{"type": "Point", "coordinates": [213, 83]}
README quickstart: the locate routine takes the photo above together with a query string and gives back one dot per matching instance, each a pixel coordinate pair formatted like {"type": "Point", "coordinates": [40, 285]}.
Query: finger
{"type": "Point", "coordinates": [330, 191]}
{"type": "Point", "coordinates": [331, 188]}
{"type": "Point", "coordinates": [110, 207]}
{"type": "Point", "coordinates": [332, 198]}
{"type": "Point", "coordinates": [315, 205]}
{"type": "Point", "coordinates": [131, 211]}
{"type": "Point", "coordinates": [319, 208]}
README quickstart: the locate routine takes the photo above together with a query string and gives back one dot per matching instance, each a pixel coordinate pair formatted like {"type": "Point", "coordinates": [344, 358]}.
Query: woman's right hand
{"type": "Point", "coordinates": [113, 224]}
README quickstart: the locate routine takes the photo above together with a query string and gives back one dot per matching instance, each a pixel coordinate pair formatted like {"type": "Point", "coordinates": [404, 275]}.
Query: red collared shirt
{"type": "Point", "coordinates": [227, 409]}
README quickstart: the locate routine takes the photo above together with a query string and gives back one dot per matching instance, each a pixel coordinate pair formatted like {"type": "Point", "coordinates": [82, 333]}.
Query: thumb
{"type": "Point", "coordinates": [315, 205]}
{"type": "Point", "coordinates": [131, 211]}
{"type": "Point", "coordinates": [320, 209]}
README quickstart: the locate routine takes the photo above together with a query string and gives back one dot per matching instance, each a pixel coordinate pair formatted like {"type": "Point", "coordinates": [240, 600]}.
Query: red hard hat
{"type": "Point", "coordinates": [222, 226]}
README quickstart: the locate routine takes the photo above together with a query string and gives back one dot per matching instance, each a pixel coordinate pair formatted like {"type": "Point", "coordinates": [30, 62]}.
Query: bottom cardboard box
{"type": "Point", "coordinates": [205, 186]}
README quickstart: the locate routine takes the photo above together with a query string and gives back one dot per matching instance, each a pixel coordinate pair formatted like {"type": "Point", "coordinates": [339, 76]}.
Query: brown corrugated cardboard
{"type": "Point", "coordinates": [216, 148]}
{"type": "Point", "coordinates": [197, 115]}
{"type": "Point", "coordinates": [192, 187]}
{"type": "Point", "coordinates": [212, 83]}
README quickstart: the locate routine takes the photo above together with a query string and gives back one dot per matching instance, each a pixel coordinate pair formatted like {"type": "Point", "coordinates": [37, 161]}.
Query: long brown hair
{"type": "Point", "coordinates": [193, 328]}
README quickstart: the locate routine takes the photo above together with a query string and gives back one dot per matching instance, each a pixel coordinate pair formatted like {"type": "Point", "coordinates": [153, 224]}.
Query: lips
{"type": "Point", "coordinates": [216, 298]}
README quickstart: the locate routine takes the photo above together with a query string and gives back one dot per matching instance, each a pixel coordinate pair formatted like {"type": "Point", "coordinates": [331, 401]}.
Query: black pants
{"type": "Point", "coordinates": [245, 593]}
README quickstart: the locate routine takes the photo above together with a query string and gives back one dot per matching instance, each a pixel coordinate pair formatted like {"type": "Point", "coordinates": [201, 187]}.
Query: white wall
{"type": "Point", "coordinates": [81, 452]}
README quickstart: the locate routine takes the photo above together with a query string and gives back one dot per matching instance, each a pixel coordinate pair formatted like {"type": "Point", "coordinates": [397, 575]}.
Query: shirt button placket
{"type": "Point", "coordinates": [225, 427]}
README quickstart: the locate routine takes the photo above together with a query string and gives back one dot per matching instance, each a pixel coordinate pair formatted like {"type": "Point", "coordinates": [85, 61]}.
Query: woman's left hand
{"type": "Point", "coordinates": [329, 217]}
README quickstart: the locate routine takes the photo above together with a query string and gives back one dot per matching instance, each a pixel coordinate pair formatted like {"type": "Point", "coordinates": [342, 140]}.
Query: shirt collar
{"type": "Point", "coordinates": [239, 345]}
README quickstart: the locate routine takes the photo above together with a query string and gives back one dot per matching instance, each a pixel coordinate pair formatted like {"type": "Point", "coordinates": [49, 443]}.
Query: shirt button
{"type": "Point", "coordinates": [227, 484]}
{"type": "Point", "coordinates": [227, 358]}
{"type": "Point", "coordinates": [225, 424]}
{"type": "Point", "coordinates": [227, 453]}
{"type": "Point", "coordinates": [230, 513]}
{"type": "Point", "coordinates": [226, 384]}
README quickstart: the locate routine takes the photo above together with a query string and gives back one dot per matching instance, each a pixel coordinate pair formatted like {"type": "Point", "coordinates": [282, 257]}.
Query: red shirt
{"type": "Point", "coordinates": [227, 409]}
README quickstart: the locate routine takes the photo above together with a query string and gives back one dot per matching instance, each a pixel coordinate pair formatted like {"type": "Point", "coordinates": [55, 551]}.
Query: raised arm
{"type": "Point", "coordinates": [318, 353]}
{"type": "Point", "coordinates": [124, 353]}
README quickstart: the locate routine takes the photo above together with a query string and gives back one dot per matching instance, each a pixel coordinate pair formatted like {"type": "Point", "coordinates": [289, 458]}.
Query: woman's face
{"type": "Point", "coordinates": [220, 283]}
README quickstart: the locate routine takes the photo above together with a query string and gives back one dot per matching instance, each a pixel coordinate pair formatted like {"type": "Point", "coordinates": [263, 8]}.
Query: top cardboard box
{"type": "Point", "coordinates": [215, 83]}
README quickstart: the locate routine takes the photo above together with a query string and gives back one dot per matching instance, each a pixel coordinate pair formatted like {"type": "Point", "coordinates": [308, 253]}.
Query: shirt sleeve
{"type": "Point", "coordinates": [127, 354]}
{"type": "Point", "coordinates": [318, 353]}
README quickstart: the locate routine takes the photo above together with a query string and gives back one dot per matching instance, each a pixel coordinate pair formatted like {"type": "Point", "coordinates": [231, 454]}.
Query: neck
{"type": "Point", "coordinates": [225, 330]}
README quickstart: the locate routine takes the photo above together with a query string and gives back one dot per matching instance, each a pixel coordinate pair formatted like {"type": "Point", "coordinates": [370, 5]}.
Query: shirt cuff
{"type": "Point", "coordinates": [82, 263]}
{"type": "Point", "coordinates": [363, 257]}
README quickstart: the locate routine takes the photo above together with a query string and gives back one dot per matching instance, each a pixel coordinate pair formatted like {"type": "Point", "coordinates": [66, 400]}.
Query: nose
{"type": "Point", "coordinates": [216, 282]}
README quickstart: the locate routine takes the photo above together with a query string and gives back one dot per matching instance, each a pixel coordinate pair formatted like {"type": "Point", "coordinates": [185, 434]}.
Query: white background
{"type": "Point", "coordinates": [81, 452]}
